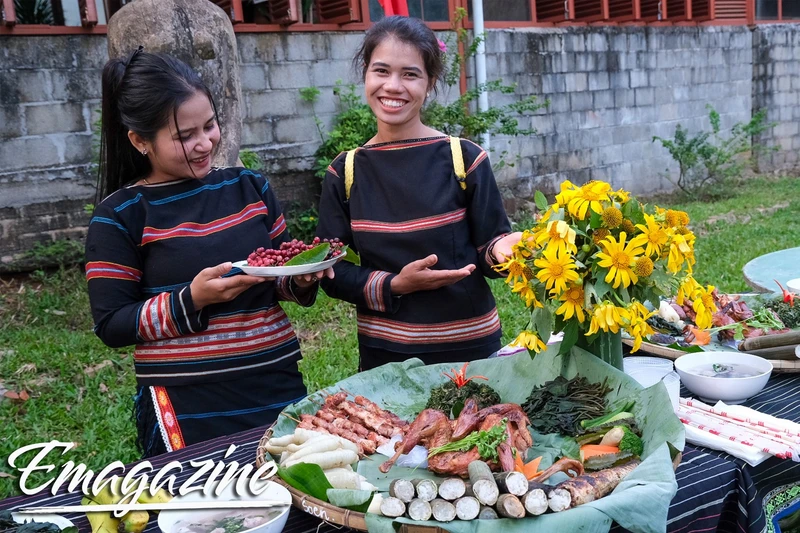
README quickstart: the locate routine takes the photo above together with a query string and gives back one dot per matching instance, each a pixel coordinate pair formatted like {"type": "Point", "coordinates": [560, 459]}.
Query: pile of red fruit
{"type": "Point", "coordinates": [267, 257]}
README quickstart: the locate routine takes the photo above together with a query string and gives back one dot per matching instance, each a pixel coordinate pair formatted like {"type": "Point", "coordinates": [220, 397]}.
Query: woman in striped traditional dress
{"type": "Point", "coordinates": [423, 211]}
{"type": "Point", "coordinates": [214, 352]}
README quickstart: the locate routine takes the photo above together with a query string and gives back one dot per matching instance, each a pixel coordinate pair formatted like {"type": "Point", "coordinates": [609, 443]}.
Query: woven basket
{"type": "Point", "coordinates": [344, 517]}
{"type": "Point", "coordinates": [780, 366]}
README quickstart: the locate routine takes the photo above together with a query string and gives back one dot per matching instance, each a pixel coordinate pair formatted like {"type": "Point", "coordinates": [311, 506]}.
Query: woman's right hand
{"type": "Point", "coordinates": [417, 276]}
{"type": "Point", "coordinates": [209, 287]}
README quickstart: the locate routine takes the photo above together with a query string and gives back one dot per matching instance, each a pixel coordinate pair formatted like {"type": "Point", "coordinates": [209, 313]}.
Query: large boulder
{"type": "Point", "coordinates": [198, 33]}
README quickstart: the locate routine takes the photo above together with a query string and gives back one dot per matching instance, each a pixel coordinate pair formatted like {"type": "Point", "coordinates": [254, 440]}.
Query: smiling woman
{"type": "Point", "coordinates": [422, 209]}
{"type": "Point", "coordinates": [215, 353]}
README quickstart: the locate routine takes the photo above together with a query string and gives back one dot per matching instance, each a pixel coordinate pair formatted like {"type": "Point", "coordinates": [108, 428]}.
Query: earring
{"type": "Point", "coordinates": [144, 152]}
{"type": "Point", "coordinates": [429, 94]}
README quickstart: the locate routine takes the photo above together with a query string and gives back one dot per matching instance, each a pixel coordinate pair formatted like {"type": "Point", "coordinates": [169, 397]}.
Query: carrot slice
{"type": "Point", "coordinates": [519, 465]}
{"type": "Point", "coordinates": [701, 337]}
{"type": "Point", "coordinates": [589, 450]}
{"type": "Point", "coordinates": [532, 468]}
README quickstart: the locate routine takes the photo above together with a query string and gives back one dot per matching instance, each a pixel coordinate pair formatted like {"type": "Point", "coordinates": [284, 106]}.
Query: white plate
{"type": "Point", "coordinates": [60, 521]}
{"type": "Point", "coordinates": [286, 270]}
{"type": "Point", "coordinates": [167, 519]}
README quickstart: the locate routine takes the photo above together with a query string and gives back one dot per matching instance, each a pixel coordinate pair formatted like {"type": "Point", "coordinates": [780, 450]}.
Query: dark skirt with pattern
{"type": "Point", "coordinates": [194, 413]}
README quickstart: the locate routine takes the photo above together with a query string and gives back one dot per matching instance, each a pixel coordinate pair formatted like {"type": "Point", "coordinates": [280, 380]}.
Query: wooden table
{"type": "Point", "coordinates": [782, 265]}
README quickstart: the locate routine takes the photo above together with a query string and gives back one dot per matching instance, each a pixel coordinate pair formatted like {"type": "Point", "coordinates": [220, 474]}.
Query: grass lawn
{"type": "Point", "coordinates": [81, 391]}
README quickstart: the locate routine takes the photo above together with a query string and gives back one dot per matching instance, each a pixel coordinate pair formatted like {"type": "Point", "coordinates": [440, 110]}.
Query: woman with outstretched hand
{"type": "Point", "coordinates": [423, 211]}
{"type": "Point", "coordinates": [214, 351]}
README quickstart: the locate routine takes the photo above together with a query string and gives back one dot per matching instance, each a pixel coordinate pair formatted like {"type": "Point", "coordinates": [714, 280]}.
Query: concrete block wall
{"type": "Point", "coordinates": [49, 99]}
{"type": "Point", "coordinates": [611, 90]}
{"type": "Point", "coordinates": [776, 88]}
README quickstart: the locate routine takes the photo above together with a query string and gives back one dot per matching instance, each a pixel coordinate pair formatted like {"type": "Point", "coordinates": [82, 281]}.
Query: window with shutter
{"type": "Point", "coordinates": [588, 10]}
{"type": "Point", "coordinates": [649, 10]}
{"type": "Point", "coordinates": [338, 11]}
{"type": "Point", "coordinates": [233, 8]}
{"type": "Point", "coordinates": [621, 10]}
{"type": "Point", "coordinates": [283, 12]}
{"type": "Point", "coordinates": [675, 10]}
{"type": "Point", "coordinates": [730, 10]}
{"type": "Point", "coordinates": [551, 11]}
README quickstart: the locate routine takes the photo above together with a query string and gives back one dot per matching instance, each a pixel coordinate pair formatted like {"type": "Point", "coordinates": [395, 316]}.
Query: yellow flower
{"type": "Point", "coordinates": [529, 340]}
{"type": "Point", "coordinates": [687, 289]}
{"type": "Point", "coordinates": [599, 234]}
{"type": "Point", "coordinates": [589, 196]}
{"type": "Point", "coordinates": [680, 252]}
{"type": "Point", "coordinates": [515, 268]}
{"type": "Point", "coordinates": [643, 266]}
{"type": "Point", "coordinates": [556, 270]}
{"type": "Point", "coordinates": [619, 259]}
{"type": "Point", "coordinates": [704, 306]}
{"type": "Point", "coordinates": [628, 227]}
{"type": "Point", "coordinates": [612, 217]}
{"type": "Point", "coordinates": [527, 294]}
{"type": "Point", "coordinates": [523, 248]}
{"type": "Point", "coordinates": [672, 218]}
{"type": "Point", "coordinates": [573, 303]}
{"type": "Point", "coordinates": [557, 234]}
{"type": "Point", "coordinates": [568, 192]}
{"type": "Point", "coordinates": [622, 196]}
{"type": "Point", "coordinates": [637, 326]}
{"type": "Point", "coordinates": [654, 234]}
{"type": "Point", "coordinates": [608, 317]}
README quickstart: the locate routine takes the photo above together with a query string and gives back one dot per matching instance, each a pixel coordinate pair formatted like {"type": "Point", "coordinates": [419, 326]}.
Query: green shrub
{"type": "Point", "coordinates": [302, 224]}
{"type": "Point", "coordinates": [251, 160]}
{"type": "Point", "coordinates": [711, 164]}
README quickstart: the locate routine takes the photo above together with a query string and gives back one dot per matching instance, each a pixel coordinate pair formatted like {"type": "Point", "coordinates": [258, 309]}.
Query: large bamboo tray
{"type": "Point", "coordinates": [344, 517]}
{"type": "Point", "coordinates": [781, 366]}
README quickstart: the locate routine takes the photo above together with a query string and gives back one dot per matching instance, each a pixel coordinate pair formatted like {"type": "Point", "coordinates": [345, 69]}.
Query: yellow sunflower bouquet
{"type": "Point", "coordinates": [594, 261]}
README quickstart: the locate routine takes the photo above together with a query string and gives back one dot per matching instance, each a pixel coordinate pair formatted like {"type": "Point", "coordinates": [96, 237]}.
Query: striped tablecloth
{"type": "Point", "coordinates": [716, 492]}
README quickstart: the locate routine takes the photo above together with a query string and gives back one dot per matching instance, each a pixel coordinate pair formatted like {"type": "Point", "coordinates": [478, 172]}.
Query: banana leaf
{"type": "Point", "coordinates": [639, 504]}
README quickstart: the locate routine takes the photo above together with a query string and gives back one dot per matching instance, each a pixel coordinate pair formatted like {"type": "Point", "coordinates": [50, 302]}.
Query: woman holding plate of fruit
{"type": "Point", "coordinates": [214, 352]}
{"type": "Point", "coordinates": [422, 210]}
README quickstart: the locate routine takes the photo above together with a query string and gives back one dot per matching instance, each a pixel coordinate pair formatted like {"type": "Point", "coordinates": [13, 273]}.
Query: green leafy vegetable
{"type": "Point", "coordinates": [789, 315]}
{"type": "Point", "coordinates": [560, 405]}
{"type": "Point", "coordinates": [307, 478]}
{"type": "Point", "coordinates": [316, 254]}
{"type": "Point", "coordinates": [449, 398]}
{"type": "Point", "coordinates": [486, 442]}
{"type": "Point", "coordinates": [631, 442]}
{"type": "Point", "coordinates": [620, 413]}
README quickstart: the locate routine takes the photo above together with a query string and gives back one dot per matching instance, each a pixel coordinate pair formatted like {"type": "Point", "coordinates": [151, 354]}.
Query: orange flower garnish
{"type": "Point", "coordinates": [460, 377]}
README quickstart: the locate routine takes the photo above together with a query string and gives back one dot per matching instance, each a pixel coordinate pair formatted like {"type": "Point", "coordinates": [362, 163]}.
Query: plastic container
{"type": "Point", "coordinates": [647, 370]}
{"type": "Point", "coordinates": [673, 383]}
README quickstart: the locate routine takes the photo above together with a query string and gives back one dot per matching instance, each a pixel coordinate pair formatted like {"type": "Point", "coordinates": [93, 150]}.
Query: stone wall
{"type": "Point", "coordinates": [776, 88]}
{"type": "Point", "coordinates": [611, 89]}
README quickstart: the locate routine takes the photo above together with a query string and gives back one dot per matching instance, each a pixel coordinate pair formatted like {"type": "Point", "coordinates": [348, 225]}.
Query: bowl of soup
{"type": "Point", "coordinates": [247, 519]}
{"type": "Point", "coordinates": [732, 377]}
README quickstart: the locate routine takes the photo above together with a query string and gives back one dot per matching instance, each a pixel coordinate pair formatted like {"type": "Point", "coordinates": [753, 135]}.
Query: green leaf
{"type": "Point", "coordinates": [543, 322]}
{"type": "Point", "coordinates": [571, 332]}
{"type": "Point", "coordinates": [595, 220]}
{"type": "Point", "coordinates": [601, 287]}
{"type": "Point", "coordinates": [541, 201]}
{"type": "Point", "coordinates": [316, 254]}
{"type": "Point", "coordinates": [351, 256]}
{"type": "Point", "coordinates": [687, 349]}
{"type": "Point", "coordinates": [356, 500]}
{"type": "Point", "coordinates": [307, 478]}
{"type": "Point", "coordinates": [633, 211]}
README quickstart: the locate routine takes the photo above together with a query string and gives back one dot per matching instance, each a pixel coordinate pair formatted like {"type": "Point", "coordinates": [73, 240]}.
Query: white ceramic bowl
{"type": "Point", "coordinates": [168, 519]}
{"type": "Point", "coordinates": [729, 390]}
{"type": "Point", "coordinates": [793, 285]}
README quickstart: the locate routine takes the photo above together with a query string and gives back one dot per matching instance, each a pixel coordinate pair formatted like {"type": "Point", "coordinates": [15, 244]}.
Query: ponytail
{"type": "Point", "coordinates": [140, 94]}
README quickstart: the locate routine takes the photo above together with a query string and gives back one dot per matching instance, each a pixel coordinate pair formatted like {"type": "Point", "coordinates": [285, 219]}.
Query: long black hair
{"type": "Point", "coordinates": [140, 93]}
{"type": "Point", "coordinates": [407, 30]}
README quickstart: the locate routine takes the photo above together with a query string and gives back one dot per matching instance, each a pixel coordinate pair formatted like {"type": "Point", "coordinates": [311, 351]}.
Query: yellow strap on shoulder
{"type": "Point", "coordinates": [349, 165]}
{"type": "Point", "coordinates": [458, 162]}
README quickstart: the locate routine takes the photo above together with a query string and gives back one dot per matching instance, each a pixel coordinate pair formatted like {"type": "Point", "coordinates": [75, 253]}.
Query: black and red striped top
{"type": "Point", "coordinates": [405, 204]}
{"type": "Point", "coordinates": [144, 247]}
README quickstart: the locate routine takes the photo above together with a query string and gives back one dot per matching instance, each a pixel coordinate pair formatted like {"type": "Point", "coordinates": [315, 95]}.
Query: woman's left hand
{"type": "Point", "coordinates": [503, 248]}
{"type": "Point", "coordinates": [306, 280]}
